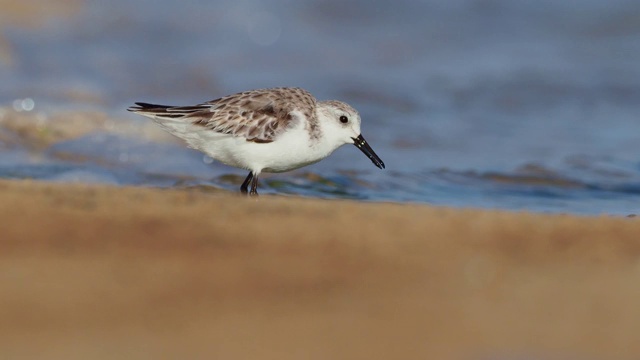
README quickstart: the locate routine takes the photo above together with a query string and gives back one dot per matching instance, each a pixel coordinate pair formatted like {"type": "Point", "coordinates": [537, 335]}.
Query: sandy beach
{"type": "Point", "coordinates": [96, 272]}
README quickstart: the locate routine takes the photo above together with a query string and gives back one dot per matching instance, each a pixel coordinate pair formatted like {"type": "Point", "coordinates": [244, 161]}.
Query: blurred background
{"type": "Point", "coordinates": [513, 104]}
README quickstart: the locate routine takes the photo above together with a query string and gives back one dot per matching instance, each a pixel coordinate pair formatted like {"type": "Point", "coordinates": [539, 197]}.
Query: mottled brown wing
{"type": "Point", "coordinates": [257, 115]}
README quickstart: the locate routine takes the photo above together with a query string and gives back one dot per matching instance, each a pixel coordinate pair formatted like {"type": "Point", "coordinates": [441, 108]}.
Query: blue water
{"type": "Point", "coordinates": [521, 105]}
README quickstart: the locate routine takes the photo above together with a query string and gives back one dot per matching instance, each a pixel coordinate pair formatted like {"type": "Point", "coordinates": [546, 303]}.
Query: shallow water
{"type": "Point", "coordinates": [492, 104]}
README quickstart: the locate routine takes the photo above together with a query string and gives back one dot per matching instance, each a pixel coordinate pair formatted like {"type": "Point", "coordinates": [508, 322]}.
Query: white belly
{"type": "Point", "coordinates": [291, 150]}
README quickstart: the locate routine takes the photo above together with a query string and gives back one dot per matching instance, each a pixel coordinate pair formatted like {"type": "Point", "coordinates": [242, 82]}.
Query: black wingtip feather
{"type": "Point", "coordinates": [146, 107]}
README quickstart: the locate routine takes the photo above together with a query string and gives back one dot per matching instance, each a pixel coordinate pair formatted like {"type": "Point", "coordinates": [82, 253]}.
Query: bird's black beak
{"type": "Point", "coordinates": [363, 145]}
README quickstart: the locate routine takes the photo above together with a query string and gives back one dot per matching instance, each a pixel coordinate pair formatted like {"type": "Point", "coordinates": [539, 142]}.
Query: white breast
{"type": "Point", "coordinates": [291, 150]}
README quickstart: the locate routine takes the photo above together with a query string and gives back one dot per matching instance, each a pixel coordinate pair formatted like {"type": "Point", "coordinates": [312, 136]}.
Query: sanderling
{"type": "Point", "coordinates": [266, 130]}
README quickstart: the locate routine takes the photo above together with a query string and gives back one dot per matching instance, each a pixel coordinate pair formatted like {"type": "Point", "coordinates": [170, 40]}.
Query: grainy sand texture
{"type": "Point", "coordinates": [90, 272]}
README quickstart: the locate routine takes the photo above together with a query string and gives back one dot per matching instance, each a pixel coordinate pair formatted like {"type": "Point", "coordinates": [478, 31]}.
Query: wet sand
{"type": "Point", "coordinates": [94, 272]}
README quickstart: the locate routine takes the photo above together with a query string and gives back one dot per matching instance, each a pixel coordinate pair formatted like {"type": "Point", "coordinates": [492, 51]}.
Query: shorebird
{"type": "Point", "coordinates": [265, 130]}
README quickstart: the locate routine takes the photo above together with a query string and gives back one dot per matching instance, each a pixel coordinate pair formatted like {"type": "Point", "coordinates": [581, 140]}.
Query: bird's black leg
{"type": "Point", "coordinates": [245, 185]}
{"type": "Point", "coordinates": [254, 186]}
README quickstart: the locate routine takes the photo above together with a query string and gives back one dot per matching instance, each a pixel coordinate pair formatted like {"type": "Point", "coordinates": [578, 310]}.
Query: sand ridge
{"type": "Point", "coordinates": [103, 272]}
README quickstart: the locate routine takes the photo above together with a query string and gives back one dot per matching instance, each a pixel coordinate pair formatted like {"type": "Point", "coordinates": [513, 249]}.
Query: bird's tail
{"type": "Point", "coordinates": [168, 112]}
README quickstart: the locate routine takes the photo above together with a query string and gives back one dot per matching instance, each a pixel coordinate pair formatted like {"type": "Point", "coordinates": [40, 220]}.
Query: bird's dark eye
{"type": "Point", "coordinates": [344, 119]}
